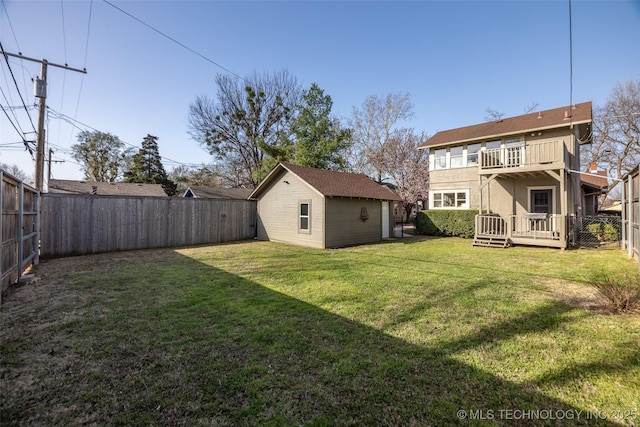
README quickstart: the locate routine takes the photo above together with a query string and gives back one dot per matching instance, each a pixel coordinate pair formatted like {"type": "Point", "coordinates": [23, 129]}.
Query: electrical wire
{"type": "Point", "coordinates": [77, 124]}
{"type": "Point", "coordinates": [6, 58]}
{"type": "Point", "coordinates": [86, 55]}
{"type": "Point", "coordinates": [6, 12]}
{"type": "Point", "coordinates": [13, 112]}
{"type": "Point", "coordinates": [176, 41]}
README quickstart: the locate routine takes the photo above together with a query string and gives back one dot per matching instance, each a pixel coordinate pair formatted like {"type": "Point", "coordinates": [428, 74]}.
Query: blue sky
{"type": "Point", "coordinates": [455, 58]}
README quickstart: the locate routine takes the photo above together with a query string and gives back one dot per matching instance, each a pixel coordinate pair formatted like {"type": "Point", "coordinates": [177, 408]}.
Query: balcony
{"type": "Point", "coordinates": [529, 157]}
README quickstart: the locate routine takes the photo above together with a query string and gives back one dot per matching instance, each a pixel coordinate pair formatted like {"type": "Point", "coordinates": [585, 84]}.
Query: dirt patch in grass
{"type": "Point", "coordinates": [574, 294]}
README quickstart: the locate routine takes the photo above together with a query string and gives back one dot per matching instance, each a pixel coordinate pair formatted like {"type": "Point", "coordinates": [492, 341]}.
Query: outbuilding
{"type": "Point", "coordinates": [322, 208]}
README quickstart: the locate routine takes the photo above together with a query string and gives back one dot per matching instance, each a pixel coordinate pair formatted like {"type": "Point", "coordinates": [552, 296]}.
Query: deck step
{"type": "Point", "coordinates": [491, 242]}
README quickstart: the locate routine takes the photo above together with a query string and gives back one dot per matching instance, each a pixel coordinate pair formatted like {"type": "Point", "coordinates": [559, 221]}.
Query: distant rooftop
{"type": "Point", "coordinates": [61, 186]}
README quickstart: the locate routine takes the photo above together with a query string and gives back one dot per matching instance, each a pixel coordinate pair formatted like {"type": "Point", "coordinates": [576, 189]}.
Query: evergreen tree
{"type": "Point", "coordinates": [320, 142]}
{"type": "Point", "coordinates": [146, 167]}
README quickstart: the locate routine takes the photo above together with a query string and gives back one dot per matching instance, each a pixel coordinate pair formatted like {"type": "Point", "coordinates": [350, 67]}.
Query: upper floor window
{"type": "Point", "coordinates": [491, 145]}
{"type": "Point", "coordinates": [472, 153]}
{"type": "Point", "coordinates": [455, 157]}
{"type": "Point", "coordinates": [440, 158]}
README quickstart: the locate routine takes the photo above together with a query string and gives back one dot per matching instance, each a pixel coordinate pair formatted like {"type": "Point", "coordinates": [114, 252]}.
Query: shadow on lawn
{"type": "Point", "coordinates": [217, 349]}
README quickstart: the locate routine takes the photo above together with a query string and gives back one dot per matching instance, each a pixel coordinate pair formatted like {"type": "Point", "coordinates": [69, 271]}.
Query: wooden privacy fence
{"type": "Point", "coordinates": [19, 232]}
{"type": "Point", "coordinates": [86, 224]}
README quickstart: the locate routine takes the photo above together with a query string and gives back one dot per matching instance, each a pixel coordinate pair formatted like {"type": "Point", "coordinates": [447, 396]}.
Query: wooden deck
{"type": "Point", "coordinates": [497, 231]}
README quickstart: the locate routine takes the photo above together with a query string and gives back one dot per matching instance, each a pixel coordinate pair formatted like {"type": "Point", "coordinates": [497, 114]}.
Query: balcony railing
{"type": "Point", "coordinates": [530, 154]}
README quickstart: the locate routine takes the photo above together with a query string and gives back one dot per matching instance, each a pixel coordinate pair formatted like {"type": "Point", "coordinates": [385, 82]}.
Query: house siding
{"type": "Point", "coordinates": [278, 212]}
{"type": "Point", "coordinates": [343, 223]}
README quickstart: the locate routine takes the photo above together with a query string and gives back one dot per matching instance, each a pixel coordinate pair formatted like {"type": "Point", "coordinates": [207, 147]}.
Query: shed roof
{"type": "Point", "coordinates": [63, 186]}
{"type": "Point", "coordinates": [204, 192]}
{"type": "Point", "coordinates": [533, 122]}
{"type": "Point", "coordinates": [331, 183]}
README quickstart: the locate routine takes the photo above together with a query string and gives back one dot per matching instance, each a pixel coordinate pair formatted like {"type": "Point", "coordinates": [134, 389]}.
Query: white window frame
{"type": "Point", "coordinates": [307, 217]}
{"type": "Point", "coordinates": [433, 193]}
{"type": "Point", "coordinates": [466, 150]}
{"type": "Point", "coordinates": [457, 156]}
{"type": "Point", "coordinates": [435, 159]}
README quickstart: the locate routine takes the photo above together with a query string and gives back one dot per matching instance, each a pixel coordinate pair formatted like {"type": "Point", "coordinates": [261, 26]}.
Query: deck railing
{"type": "Point", "coordinates": [526, 226]}
{"type": "Point", "coordinates": [529, 154]}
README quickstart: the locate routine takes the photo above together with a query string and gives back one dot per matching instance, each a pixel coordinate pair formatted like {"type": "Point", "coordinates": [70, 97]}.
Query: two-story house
{"type": "Point", "coordinates": [516, 172]}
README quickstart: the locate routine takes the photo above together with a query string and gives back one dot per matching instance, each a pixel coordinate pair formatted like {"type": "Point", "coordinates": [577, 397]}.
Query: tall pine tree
{"type": "Point", "coordinates": [146, 167]}
{"type": "Point", "coordinates": [320, 141]}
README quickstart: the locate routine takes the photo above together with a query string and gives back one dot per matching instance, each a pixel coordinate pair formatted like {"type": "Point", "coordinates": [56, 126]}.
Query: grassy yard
{"type": "Point", "coordinates": [414, 332]}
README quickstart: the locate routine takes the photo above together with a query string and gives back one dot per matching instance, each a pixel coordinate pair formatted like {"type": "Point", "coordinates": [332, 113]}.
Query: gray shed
{"type": "Point", "coordinates": [321, 208]}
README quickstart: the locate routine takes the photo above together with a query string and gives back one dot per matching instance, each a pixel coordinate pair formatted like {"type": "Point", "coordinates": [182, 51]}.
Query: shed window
{"type": "Point", "coordinates": [304, 210]}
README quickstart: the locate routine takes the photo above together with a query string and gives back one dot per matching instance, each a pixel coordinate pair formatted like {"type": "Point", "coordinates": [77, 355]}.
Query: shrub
{"type": "Point", "coordinates": [622, 295]}
{"type": "Point", "coordinates": [603, 232]}
{"type": "Point", "coordinates": [447, 223]}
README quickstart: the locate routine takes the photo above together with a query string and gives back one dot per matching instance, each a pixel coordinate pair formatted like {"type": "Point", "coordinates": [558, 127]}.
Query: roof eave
{"type": "Point", "coordinates": [503, 134]}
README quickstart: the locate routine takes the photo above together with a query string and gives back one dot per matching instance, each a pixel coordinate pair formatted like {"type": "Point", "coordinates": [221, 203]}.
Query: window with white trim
{"type": "Point", "coordinates": [440, 158]}
{"type": "Point", "coordinates": [472, 153]}
{"type": "Point", "coordinates": [449, 199]}
{"type": "Point", "coordinates": [304, 217]}
{"type": "Point", "coordinates": [455, 157]}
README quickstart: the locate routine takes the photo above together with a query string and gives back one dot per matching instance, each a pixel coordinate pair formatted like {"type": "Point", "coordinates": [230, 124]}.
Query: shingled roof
{"type": "Point", "coordinates": [63, 186]}
{"type": "Point", "coordinates": [204, 192]}
{"type": "Point", "coordinates": [331, 183]}
{"type": "Point", "coordinates": [533, 122]}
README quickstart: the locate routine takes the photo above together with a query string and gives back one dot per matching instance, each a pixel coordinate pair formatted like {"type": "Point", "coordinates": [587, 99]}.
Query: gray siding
{"type": "Point", "coordinates": [278, 212]}
{"type": "Point", "coordinates": [344, 226]}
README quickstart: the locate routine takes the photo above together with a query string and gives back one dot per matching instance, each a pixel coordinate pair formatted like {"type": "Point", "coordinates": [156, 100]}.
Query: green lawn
{"type": "Point", "coordinates": [412, 332]}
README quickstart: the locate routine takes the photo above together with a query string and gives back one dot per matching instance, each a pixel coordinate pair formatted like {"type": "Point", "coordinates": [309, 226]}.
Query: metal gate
{"type": "Point", "coordinates": [596, 231]}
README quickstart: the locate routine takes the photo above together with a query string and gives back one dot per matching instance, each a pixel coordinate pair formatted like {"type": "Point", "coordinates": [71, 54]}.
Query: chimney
{"type": "Point", "coordinates": [94, 190]}
{"type": "Point", "coordinates": [593, 167]}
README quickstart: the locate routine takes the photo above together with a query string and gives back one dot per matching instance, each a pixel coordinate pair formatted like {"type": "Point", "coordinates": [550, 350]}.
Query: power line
{"type": "Point", "coordinates": [176, 41]}
{"type": "Point", "coordinates": [86, 55]}
{"type": "Point", "coordinates": [6, 12]}
{"type": "Point", "coordinates": [73, 122]}
{"type": "Point", "coordinates": [6, 58]}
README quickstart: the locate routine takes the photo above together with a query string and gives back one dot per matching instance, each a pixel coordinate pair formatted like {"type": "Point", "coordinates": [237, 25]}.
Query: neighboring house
{"type": "Point", "coordinates": [516, 171]}
{"type": "Point", "coordinates": [594, 184]}
{"type": "Point", "coordinates": [204, 192]}
{"type": "Point", "coordinates": [321, 208]}
{"type": "Point", "coordinates": [61, 186]}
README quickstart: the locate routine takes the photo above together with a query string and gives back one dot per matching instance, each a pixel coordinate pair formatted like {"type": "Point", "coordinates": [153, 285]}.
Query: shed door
{"type": "Point", "coordinates": [385, 220]}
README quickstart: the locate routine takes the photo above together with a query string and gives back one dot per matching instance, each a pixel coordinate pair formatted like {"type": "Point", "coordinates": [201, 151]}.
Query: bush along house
{"type": "Point", "coordinates": [516, 172]}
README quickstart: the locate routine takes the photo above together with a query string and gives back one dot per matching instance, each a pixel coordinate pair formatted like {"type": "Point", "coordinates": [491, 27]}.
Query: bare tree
{"type": "Point", "coordinates": [372, 126]}
{"type": "Point", "coordinates": [247, 122]}
{"type": "Point", "coordinates": [493, 115]}
{"type": "Point", "coordinates": [407, 166]}
{"type": "Point", "coordinates": [15, 171]}
{"type": "Point", "coordinates": [616, 131]}
{"type": "Point", "coordinates": [496, 116]}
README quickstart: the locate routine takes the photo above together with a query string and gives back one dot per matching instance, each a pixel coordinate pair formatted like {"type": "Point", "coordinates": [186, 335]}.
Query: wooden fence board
{"type": "Point", "coordinates": [19, 206]}
{"type": "Point", "coordinates": [86, 224]}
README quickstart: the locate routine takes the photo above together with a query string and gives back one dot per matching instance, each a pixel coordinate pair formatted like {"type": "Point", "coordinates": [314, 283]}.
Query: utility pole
{"type": "Point", "coordinates": [40, 89]}
{"type": "Point", "coordinates": [41, 94]}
